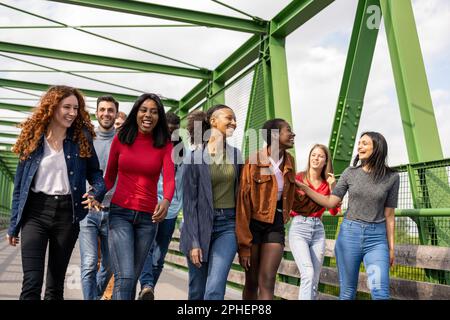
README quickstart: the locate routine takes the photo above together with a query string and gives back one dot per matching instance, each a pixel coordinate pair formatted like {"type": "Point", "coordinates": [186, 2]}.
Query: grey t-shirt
{"type": "Point", "coordinates": [367, 199]}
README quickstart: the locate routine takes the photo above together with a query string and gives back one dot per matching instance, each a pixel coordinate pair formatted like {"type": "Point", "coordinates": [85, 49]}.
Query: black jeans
{"type": "Point", "coordinates": [48, 220]}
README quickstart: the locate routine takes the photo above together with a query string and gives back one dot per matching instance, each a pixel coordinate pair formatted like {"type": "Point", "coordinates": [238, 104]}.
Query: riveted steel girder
{"type": "Point", "coordinates": [416, 107]}
{"type": "Point", "coordinates": [353, 87]}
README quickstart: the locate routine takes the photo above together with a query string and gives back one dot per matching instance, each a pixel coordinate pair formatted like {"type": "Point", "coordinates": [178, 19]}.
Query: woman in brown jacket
{"type": "Point", "coordinates": [267, 195]}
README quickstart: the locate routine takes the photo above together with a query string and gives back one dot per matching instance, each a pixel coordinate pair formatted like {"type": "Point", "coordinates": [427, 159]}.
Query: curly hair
{"type": "Point", "coordinates": [36, 125]}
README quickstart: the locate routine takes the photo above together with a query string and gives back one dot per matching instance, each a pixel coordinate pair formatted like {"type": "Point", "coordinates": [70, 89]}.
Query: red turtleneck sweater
{"type": "Point", "coordinates": [138, 167]}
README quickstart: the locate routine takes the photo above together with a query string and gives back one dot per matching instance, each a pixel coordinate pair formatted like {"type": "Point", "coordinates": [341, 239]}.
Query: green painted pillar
{"type": "Point", "coordinates": [276, 75]}
{"type": "Point", "coordinates": [416, 107]}
{"type": "Point", "coordinates": [418, 120]}
{"type": "Point", "coordinates": [215, 93]}
{"type": "Point", "coordinates": [353, 86]}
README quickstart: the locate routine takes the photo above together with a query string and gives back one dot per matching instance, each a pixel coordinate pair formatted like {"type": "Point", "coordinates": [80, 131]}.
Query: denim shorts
{"type": "Point", "coordinates": [264, 232]}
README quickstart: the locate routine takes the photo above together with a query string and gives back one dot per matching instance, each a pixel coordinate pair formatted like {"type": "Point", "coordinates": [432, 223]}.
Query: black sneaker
{"type": "Point", "coordinates": [147, 294]}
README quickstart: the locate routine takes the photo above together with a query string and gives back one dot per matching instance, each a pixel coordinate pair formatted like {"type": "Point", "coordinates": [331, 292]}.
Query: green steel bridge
{"type": "Point", "coordinates": [423, 217]}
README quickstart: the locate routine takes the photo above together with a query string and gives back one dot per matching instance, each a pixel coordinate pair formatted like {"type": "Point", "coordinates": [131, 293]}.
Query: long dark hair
{"type": "Point", "coordinates": [272, 124]}
{"type": "Point", "coordinates": [204, 118]}
{"type": "Point", "coordinates": [377, 162]}
{"type": "Point", "coordinates": [129, 128]}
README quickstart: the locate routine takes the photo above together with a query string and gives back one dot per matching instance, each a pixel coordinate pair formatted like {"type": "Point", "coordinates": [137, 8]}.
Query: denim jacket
{"type": "Point", "coordinates": [79, 169]}
{"type": "Point", "coordinates": [198, 206]}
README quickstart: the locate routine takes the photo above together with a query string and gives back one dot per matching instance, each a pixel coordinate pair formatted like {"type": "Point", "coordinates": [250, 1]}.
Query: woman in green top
{"type": "Point", "coordinates": [210, 183]}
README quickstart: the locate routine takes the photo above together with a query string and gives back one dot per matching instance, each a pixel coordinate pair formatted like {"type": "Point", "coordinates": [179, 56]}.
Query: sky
{"type": "Point", "coordinates": [316, 55]}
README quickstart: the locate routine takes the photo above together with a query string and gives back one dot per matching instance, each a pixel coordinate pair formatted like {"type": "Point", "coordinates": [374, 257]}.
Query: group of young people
{"type": "Point", "coordinates": [229, 206]}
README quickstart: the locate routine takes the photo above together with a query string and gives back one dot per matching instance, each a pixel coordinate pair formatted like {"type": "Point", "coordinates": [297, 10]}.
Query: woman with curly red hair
{"type": "Point", "coordinates": [56, 158]}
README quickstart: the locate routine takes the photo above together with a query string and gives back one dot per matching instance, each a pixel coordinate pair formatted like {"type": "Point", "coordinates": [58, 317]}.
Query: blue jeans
{"type": "Point", "coordinates": [92, 227]}
{"type": "Point", "coordinates": [367, 242]}
{"type": "Point", "coordinates": [155, 260]}
{"type": "Point", "coordinates": [209, 281]}
{"type": "Point", "coordinates": [131, 234]}
{"type": "Point", "coordinates": [307, 242]}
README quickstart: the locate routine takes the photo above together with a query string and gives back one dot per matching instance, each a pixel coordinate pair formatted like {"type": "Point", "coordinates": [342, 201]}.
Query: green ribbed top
{"type": "Point", "coordinates": [222, 181]}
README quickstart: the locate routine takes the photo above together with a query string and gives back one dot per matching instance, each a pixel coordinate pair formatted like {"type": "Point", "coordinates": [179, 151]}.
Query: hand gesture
{"type": "Point", "coordinates": [331, 180]}
{"type": "Point", "coordinates": [391, 257]}
{"type": "Point", "coordinates": [13, 241]}
{"type": "Point", "coordinates": [90, 202]}
{"type": "Point", "coordinates": [244, 262]}
{"type": "Point", "coordinates": [196, 257]}
{"type": "Point", "coordinates": [160, 211]}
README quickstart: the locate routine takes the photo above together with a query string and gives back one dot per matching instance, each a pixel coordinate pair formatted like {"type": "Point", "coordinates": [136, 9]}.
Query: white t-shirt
{"type": "Point", "coordinates": [278, 174]}
{"type": "Point", "coordinates": [51, 177]}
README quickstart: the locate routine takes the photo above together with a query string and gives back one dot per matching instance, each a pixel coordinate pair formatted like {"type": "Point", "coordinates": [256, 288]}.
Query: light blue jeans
{"type": "Point", "coordinates": [131, 234]}
{"type": "Point", "coordinates": [92, 227]}
{"type": "Point", "coordinates": [307, 243]}
{"type": "Point", "coordinates": [154, 263]}
{"type": "Point", "coordinates": [362, 242]}
{"type": "Point", "coordinates": [209, 281]}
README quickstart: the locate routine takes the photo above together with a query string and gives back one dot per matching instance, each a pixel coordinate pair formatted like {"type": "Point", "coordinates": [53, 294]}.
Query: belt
{"type": "Point", "coordinates": [54, 196]}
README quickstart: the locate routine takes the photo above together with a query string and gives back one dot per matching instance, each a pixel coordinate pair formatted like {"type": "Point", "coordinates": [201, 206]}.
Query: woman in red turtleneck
{"type": "Point", "coordinates": [139, 152]}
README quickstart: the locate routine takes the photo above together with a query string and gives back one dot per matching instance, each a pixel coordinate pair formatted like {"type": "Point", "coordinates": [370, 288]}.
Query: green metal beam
{"type": "Point", "coordinates": [10, 161]}
{"type": "Point", "coordinates": [192, 97]}
{"type": "Point", "coordinates": [175, 14]}
{"type": "Point", "coordinates": [4, 144]}
{"type": "Point", "coordinates": [277, 85]}
{"type": "Point", "coordinates": [215, 93]}
{"type": "Point", "coordinates": [20, 108]}
{"type": "Point", "coordinates": [7, 170]}
{"type": "Point", "coordinates": [9, 123]}
{"type": "Point", "coordinates": [107, 26]}
{"type": "Point", "coordinates": [8, 155]}
{"type": "Point", "coordinates": [353, 88]}
{"type": "Point", "coordinates": [15, 107]}
{"type": "Point", "coordinates": [294, 15]}
{"type": "Point", "coordinates": [256, 113]}
{"type": "Point", "coordinates": [9, 135]}
{"type": "Point", "coordinates": [238, 60]}
{"type": "Point", "coordinates": [419, 122]}
{"type": "Point", "coordinates": [87, 92]}
{"type": "Point", "coordinates": [104, 61]}
{"type": "Point", "coordinates": [416, 107]}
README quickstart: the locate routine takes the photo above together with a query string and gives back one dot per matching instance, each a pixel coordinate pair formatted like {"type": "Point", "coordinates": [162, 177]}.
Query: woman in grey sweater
{"type": "Point", "coordinates": [367, 232]}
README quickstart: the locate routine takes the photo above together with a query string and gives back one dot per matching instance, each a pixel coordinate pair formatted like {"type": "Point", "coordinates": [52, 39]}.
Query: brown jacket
{"type": "Point", "coordinates": [257, 197]}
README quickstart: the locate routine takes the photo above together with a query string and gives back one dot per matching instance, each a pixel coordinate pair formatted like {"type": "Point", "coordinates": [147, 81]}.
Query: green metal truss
{"type": "Point", "coordinates": [418, 120]}
{"type": "Point", "coordinates": [15, 107]}
{"type": "Point", "coordinates": [416, 109]}
{"type": "Point", "coordinates": [175, 14]}
{"type": "Point", "coordinates": [8, 135]}
{"type": "Point", "coordinates": [294, 15]}
{"type": "Point", "coordinates": [353, 88]}
{"type": "Point", "coordinates": [264, 52]}
{"type": "Point", "coordinates": [103, 61]}
{"type": "Point", "coordinates": [88, 92]}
